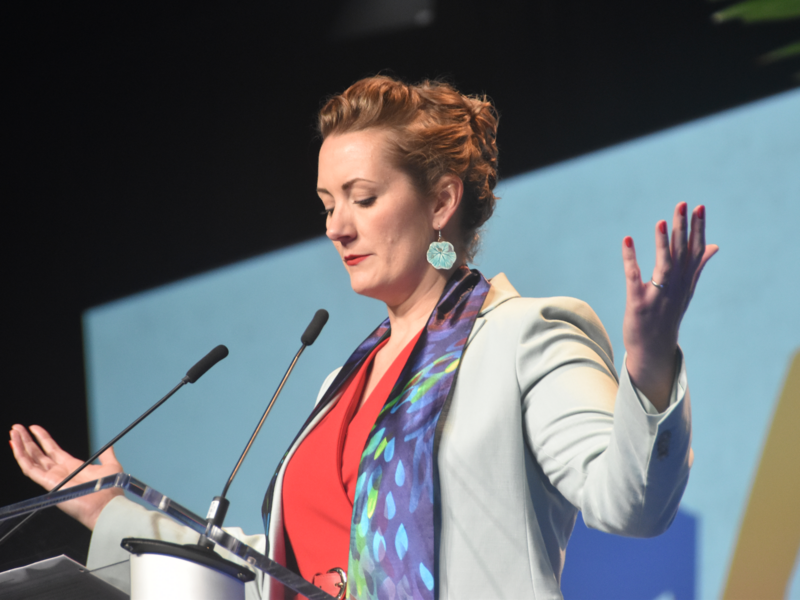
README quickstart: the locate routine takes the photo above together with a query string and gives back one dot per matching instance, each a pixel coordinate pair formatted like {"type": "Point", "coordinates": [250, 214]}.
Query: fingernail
{"type": "Point", "coordinates": [682, 208]}
{"type": "Point", "coordinates": [629, 242]}
{"type": "Point", "coordinates": [662, 227]}
{"type": "Point", "coordinates": [701, 212]}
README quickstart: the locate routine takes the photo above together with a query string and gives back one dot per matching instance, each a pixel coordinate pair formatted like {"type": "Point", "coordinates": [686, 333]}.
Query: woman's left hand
{"type": "Point", "coordinates": [653, 312]}
{"type": "Point", "coordinates": [47, 464]}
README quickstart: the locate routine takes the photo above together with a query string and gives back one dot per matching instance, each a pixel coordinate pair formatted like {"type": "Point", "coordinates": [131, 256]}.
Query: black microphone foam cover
{"type": "Point", "coordinates": [312, 331]}
{"type": "Point", "coordinates": [205, 363]}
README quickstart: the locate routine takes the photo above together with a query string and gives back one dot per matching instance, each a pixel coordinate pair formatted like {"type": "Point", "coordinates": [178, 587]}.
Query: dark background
{"type": "Point", "coordinates": [144, 145]}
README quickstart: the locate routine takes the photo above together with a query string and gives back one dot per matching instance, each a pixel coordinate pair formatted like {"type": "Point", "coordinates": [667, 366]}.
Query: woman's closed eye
{"type": "Point", "coordinates": [366, 201]}
{"type": "Point", "coordinates": [327, 212]}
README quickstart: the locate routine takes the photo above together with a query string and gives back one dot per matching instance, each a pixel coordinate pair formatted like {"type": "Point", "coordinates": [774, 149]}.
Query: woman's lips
{"type": "Point", "coordinates": [354, 259]}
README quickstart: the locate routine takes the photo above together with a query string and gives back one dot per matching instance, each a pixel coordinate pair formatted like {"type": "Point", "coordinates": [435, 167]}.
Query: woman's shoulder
{"type": "Point", "coordinates": [555, 318]}
{"type": "Point", "coordinates": [504, 300]}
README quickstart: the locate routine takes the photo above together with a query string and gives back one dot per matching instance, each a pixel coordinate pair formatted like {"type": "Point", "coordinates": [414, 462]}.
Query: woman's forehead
{"type": "Point", "coordinates": [356, 145]}
{"type": "Point", "coordinates": [353, 158]}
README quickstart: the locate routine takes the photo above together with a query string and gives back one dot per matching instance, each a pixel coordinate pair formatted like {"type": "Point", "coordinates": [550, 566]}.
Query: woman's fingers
{"type": "Point", "coordinates": [663, 268]}
{"type": "Point", "coordinates": [47, 443]}
{"type": "Point", "coordinates": [20, 455]}
{"type": "Point", "coordinates": [679, 257]}
{"type": "Point", "coordinates": [686, 251]}
{"type": "Point", "coordinates": [633, 276]}
{"type": "Point", "coordinates": [29, 447]}
{"type": "Point", "coordinates": [700, 252]}
{"type": "Point", "coordinates": [697, 241]}
{"type": "Point", "coordinates": [20, 436]}
{"type": "Point", "coordinates": [710, 251]}
{"type": "Point", "coordinates": [679, 234]}
{"type": "Point", "coordinates": [33, 463]}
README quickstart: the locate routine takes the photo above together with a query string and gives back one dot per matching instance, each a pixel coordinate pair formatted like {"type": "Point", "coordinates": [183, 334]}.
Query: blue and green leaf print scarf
{"type": "Point", "coordinates": [395, 514]}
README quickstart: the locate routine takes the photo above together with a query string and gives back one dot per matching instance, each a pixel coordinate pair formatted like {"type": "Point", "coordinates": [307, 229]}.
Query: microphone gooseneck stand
{"type": "Point", "coordinates": [219, 505]}
{"type": "Point", "coordinates": [160, 570]}
{"type": "Point", "coordinates": [192, 375]}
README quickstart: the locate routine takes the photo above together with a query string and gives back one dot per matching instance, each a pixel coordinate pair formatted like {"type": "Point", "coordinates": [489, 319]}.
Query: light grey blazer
{"type": "Point", "coordinates": [539, 427]}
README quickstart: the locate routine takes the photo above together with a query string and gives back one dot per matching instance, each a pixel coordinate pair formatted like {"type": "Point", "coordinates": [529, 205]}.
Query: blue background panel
{"type": "Point", "coordinates": [557, 231]}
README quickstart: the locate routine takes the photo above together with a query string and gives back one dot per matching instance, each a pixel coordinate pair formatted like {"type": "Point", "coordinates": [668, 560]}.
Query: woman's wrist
{"type": "Point", "coordinates": [89, 518]}
{"type": "Point", "coordinates": [653, 375]}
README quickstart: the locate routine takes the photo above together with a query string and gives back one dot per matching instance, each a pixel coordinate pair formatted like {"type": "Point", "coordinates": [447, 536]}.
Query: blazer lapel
{"type": "Point", "coordinates": [500, 291]}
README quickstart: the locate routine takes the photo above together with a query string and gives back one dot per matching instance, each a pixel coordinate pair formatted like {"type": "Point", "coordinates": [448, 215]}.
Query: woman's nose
{"type": "Point", "coordinates": [339, 227]}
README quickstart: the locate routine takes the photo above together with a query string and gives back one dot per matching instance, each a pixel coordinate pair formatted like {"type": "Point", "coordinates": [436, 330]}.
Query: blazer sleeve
{"type": "Point", "coordinates": [598, 440]}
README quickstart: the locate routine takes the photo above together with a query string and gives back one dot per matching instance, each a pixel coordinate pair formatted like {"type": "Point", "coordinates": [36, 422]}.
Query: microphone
{"type": "Point", "coordinates": [205, 363]}
{"type": "Point", "coordinates": [219, 505]}
{"type": "Point", "coordinates": [192, 375]}
{"type": "Point", "coordinates": [312, 331]}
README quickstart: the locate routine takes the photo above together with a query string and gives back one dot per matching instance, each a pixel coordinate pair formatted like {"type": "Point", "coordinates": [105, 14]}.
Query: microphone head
{"type": "Point", "coordinates": [205, 363]}
{"type": "Point", "coordinates": [312, 331]}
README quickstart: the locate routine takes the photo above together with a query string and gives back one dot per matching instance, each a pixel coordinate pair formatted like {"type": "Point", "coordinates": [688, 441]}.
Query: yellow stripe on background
{"type": "Point", "coordinates": [770, 535]}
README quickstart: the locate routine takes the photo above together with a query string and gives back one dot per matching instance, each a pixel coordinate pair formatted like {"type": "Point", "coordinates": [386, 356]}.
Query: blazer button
{"type": "Point", "coordinates": [662, 445]}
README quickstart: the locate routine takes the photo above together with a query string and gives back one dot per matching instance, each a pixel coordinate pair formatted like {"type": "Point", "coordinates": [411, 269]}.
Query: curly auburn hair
{"type": "Point", "coordinates": [436, 131]}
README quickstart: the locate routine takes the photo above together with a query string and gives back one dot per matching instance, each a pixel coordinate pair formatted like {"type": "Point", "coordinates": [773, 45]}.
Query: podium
{"type": "Point", "coordinates": [66, 573]}
{"type": "Point", "coordinates": [59, 578]}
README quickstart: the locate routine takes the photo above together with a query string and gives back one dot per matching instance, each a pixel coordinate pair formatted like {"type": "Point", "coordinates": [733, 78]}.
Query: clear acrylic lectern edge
{"type": "Point", "coordinates": [178, 513]}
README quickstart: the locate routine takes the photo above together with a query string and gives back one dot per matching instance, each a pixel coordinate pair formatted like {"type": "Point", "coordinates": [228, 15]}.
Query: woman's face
{"type": "Point", "coordinates": [377, 220]}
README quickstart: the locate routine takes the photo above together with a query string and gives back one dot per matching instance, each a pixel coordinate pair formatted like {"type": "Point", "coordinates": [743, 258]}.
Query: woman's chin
{"type": "Point", "coordinates": [359, 284]}
{"type": "Point", "coordinates": [364, 286]}
{"type": "Point", "coordinates": [367, 291]}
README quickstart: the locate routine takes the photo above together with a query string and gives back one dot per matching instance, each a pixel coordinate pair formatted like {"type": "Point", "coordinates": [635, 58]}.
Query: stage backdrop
{"type": "Point", "coordinates": [557, 231]}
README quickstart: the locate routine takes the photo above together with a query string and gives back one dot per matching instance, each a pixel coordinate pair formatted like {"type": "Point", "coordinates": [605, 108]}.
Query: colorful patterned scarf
{"type": "Point", "coordinates": [395, 514]}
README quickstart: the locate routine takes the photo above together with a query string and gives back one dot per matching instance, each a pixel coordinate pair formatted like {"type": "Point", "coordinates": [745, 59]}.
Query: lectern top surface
{"type": "Point", "coordinates": [59, 578]}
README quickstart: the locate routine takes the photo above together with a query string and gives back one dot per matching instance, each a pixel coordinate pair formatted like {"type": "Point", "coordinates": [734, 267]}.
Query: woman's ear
{"type": "Point", "coordinates": [449, 191]}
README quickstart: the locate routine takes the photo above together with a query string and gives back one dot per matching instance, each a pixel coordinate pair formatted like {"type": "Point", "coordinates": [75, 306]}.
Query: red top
{"type": "Point", "coordinates": [320, 482]}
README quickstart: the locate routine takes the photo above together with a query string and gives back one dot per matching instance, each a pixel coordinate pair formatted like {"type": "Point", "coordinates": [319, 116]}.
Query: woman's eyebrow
{"type": "Point", "coordinates": [346, 185]}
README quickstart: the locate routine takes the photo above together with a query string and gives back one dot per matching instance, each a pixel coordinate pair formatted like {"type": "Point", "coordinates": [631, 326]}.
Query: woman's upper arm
{"type": "Point", "coordinates": [568, 387]}
{"type": "Point", "coordinates": [589, 431]}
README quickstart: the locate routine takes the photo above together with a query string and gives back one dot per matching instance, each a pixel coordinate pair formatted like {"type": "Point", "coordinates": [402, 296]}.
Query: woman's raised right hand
{"type": "Point", "coordinates": [47, 464]}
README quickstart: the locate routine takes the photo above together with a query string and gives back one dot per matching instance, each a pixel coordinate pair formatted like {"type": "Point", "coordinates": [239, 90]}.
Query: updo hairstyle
{"type": "Point", "coordinates": [435, 131]}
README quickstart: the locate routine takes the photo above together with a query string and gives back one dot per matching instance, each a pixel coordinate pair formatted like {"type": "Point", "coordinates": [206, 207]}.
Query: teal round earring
{"type": "Point", "coordinates": [441, 254]}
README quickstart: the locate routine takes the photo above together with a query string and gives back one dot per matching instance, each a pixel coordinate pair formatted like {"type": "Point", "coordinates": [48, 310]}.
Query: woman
{"type": "Point", "coordinates": [449, 456]}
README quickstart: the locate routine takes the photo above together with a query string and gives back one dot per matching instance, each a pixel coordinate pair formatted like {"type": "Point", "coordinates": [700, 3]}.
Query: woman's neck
{"type": "Point", "coordinates": [411, 315]}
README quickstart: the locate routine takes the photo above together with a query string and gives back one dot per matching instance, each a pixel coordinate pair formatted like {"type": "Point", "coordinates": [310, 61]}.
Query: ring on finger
{"type": "Point", "coordinates": [660, 286]}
